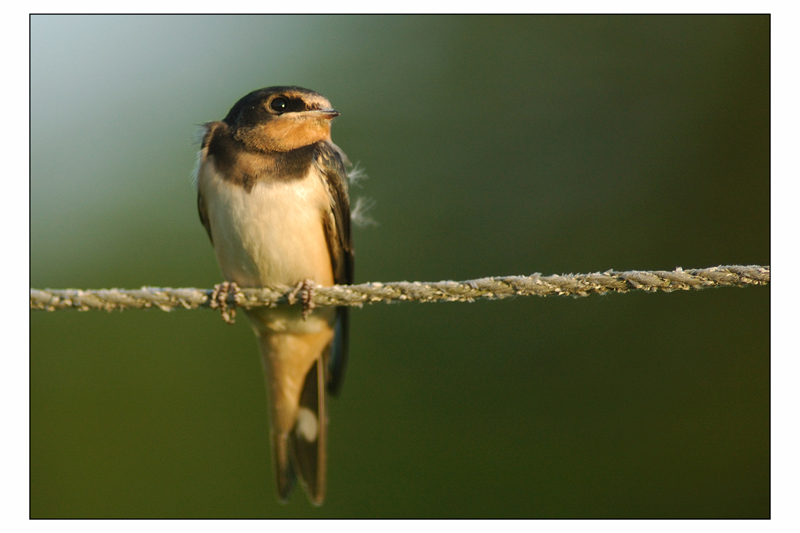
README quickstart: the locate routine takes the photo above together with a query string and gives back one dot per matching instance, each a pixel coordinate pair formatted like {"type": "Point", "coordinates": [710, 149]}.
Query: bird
{"type": "Point", "coordinates": [272, 195]}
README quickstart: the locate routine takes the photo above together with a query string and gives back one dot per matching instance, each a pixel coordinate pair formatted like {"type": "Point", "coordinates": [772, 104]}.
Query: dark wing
{"type": "Point", "coordinates": [331, 162]}
{"type": "Point", "coordinates": [208, 132]}
{"type": "Point", "coordinates": [201, 209]}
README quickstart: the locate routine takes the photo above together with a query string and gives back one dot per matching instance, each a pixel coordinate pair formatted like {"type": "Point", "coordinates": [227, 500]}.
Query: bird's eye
{"type": "Point", "coordinates": [279, 105]}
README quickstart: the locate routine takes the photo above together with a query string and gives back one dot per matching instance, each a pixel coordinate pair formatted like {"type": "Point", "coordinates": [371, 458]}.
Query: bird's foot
{"type": "Point", "coordinates": [219, 300]}
{"type": "Point", "coordinates": [305, 289]}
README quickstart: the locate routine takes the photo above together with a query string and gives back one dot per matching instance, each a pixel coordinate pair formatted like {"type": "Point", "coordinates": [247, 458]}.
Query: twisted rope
{"type": "Point", "coordinates": [448, 291]}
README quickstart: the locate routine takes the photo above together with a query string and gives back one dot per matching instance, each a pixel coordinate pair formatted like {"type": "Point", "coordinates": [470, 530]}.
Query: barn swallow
{"type": "Point", "coordinates": [272, 195]}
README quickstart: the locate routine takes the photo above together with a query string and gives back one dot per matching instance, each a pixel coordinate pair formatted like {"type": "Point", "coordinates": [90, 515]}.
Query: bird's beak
{"type": "Point", "coordinates": [325, 113]}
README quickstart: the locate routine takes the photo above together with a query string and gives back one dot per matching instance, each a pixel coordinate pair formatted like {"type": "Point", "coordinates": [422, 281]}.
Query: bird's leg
{"type": "Point", "coordinates": [306, 291]}
{"type": "Point", "coordinates": [219, 300]}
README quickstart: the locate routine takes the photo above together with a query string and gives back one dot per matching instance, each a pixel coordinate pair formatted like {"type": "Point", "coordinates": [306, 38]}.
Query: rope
{"type": "Point", "coordinates": [447, 291]}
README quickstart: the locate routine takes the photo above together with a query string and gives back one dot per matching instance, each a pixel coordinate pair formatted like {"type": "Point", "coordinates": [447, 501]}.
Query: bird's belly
{"type": "Point", "coordinates": [273, 235]}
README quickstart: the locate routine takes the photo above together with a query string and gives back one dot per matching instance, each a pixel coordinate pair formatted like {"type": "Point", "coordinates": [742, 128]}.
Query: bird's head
{"type": "Point", "coordinates": [281, 119]}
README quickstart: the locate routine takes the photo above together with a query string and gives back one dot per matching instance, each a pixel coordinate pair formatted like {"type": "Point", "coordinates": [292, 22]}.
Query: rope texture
{"type": "Point", "coordinates": [448, 291]}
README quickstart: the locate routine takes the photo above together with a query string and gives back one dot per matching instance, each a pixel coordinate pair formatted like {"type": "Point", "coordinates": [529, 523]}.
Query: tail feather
{"type": "Point", "coordinates": [296, 384]}
{"type": "Point", "coordinates": [284, 473]}
{"type": "Point", "coordinates": [310, 434]}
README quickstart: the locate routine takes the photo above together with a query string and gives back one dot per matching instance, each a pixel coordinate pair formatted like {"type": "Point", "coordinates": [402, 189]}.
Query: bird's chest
{"type": "Point", "coordinates": [271, 235]}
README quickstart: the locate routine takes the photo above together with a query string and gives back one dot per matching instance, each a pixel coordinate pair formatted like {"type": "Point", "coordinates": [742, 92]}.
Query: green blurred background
{"type": "Point", "coordinates": [495, 145]}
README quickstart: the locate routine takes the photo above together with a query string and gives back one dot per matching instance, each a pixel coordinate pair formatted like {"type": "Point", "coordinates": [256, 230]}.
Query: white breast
{"type": "Point", "coordinates": [272, 235]}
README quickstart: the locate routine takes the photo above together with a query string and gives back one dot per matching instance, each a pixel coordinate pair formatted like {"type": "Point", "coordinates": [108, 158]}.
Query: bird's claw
{"type": "Point", "coordinates": [219, 300]}
{"type": "Point", "coordinates": [306, 291]}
